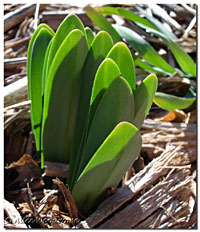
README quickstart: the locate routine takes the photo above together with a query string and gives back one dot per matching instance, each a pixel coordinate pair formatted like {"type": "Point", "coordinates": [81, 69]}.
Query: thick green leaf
{"type": "Point", "coordinates": [102, 23]}
{"type": "Point", "coordinates": [130, 15]}
{"type": "Point", "coordinates": [116, 105]}
{"type": "Point", "coordinates": [160, 27]}
{"type": "Point", "coordinates": [123, 58]}
{"type": "Point", "coordinates": [143, 48]}
{"type": "Point", "coordinates": [61, 97]}
{"type": "Point", "coordinates": [171, 102]}
{"type": "Point", "coordinates": [44, 76]}
{"type": "Point", "coordinates": [90, 36]}
{"type": "Point", "coordinates": [30, 49]}
{"type": "Point", "coordinates": [35, 63]}
{"type": "Point", "coordinates": [70, 23]}
{"type": "Point", "coordinates": [97, 53]}
{"type": "Point", "coordinates": [182, 58]}
{"type": "Point", "coordinates": [143, 96]}
{"type": "Point", "coordinates": [106, 73]}
{"type": "Point", "coordinates": [107, 166]}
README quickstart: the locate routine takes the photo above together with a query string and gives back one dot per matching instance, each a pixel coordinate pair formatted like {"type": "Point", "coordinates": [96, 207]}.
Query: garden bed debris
{"type": "Point", "coordinates": [159, 191]}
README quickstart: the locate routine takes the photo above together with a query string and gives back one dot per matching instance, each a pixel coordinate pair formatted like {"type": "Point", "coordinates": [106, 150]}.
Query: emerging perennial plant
{"type": "Point", "coordinates": [85, 107]}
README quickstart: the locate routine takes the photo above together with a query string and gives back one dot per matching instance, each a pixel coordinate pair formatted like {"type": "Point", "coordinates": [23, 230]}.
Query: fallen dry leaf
{"type": "Point", "coordinates": [173, 116]}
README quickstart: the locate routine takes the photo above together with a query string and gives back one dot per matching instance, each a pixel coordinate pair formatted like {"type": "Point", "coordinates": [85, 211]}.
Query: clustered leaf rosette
{"type": "Point", "coordinates": [85, 107]}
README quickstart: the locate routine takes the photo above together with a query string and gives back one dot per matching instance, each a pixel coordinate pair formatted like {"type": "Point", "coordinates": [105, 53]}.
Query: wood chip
{"type": "Point", "coordinates": [16, 42]}
{"type": "Point", "coordinates": [15, 116]}
{"type": "Point", "coordinates": [27, 194]}
{"type": "Point", "coordinates": [54, 18]}
{"type": "Point", "coordinates": [15, 140]}
{"type": "Point", "coordinates": [12, 63]}
{"type": "Point", "coordinates": [46, 199]}
{"type": "Point", "coordinates": [13, 218]}
{"type": "Point", "coordinates": [69, 201]}
{"type": "Point", "coordinates": [14, 18]}
{"type": "Point", "coordinates": [149, 202]}
{"type": "Point", "coordinates": [27, 169]}
{"type": "Point", "coordinates": [56, 169]}
{"type": "Point", "coordinates": [13, 78]}
{"type": "Point", "coordinates": [156, 135]}
{"type": "Point", "coordinates": [18, 105]}
{"type": "Point", "coordinates": [16, 92]}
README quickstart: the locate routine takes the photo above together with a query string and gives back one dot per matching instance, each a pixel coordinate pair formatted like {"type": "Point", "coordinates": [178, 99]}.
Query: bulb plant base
{"type": "Point", "coordinates": [85, 107]}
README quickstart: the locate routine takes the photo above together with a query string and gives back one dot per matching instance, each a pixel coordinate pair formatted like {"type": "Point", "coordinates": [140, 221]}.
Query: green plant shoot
{"type": "Point", "coordinates": [85, 107]}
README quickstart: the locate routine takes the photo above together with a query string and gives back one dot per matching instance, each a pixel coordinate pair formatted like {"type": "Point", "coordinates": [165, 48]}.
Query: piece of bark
{"type": "Point", "coordinates": [16, 92]}
{"type": "Point", "coordinates": [20, 114]}
{"type": "Point", "coordinates": [23, 171]}
{"type": "Point", "coordinates": [155, 171]}
{"type": "Point", "coordinates": [18, 105]}
{"type": "Point", "coordinates": [15, 62]}
{"type": "Point", "coordinates": [17, 195]}
{"type": "Point", "coordinates": [149, 202]}
{"type": "Point", "coordinates": [46, 200]}
{"type": "Point", "coordinates": [15, 139]}
{"type": "Point", "coordinates": [17, 42]}
{"type": "Point", "coordinates": [69, 201]}
{"type": "Point", "coordinates": [10, 7]}
{"type": "Point", "coordinates": [156, 135]}
{"type": "Point", "coordinates": [25, 159]}
{"type": "Point", "coordinates": [49, 208]}
{"type": "Point", "coordinates": [10, 34]}
{"type": "Point", "coordinates": [189, 9]}
{"type": "Point", "coordinates": [177, 213]}
{"type": "Point", "coordinates": [14, 18]}
{"type": "Point", "coordinates": [15, 112]}
{"type": "Point", "coordinates": [175, 84]}
{"type": "Point", "coordinates": [15, 65]}
{"type": "Point", "coordinates": [14, 77]}
{"type": "Point", "coordinates": [13, 218]}
{"type": "Point", "coordinates": [22, 29]}
{"type": "Point", "coordinates": [54, 18]}
{"type": "Point", "coordinates": [189, 28]}
{"type": "Point", "coordinates": [188, 44]}
{"type": "Point", "coordinates": [138, 164]}
{"type": "Point", "coordinates": [175, 80]}
{"type": "Point", "coordinates": [179, 13]}
{"type": "Point", "coordinates": [192, 223]}
{"type": "Point", "coordinates": [56, 169]}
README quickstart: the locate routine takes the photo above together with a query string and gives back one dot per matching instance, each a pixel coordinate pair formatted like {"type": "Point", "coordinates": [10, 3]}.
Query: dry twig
{"type": "Point", "coordinates": [69, 201]}
{"type": "Point", "coordinates": [17, 16]}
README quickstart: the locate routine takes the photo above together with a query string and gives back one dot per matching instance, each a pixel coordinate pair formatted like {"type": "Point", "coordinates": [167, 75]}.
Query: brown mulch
{"type": "Point", "coordinates": [159, 191]}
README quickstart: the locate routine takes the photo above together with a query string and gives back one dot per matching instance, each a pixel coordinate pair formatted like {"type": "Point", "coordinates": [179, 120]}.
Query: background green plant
{"type": "Point", "coordinates": [153, 61]}
{"type": "Point", "coordinates": [85, 107]}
